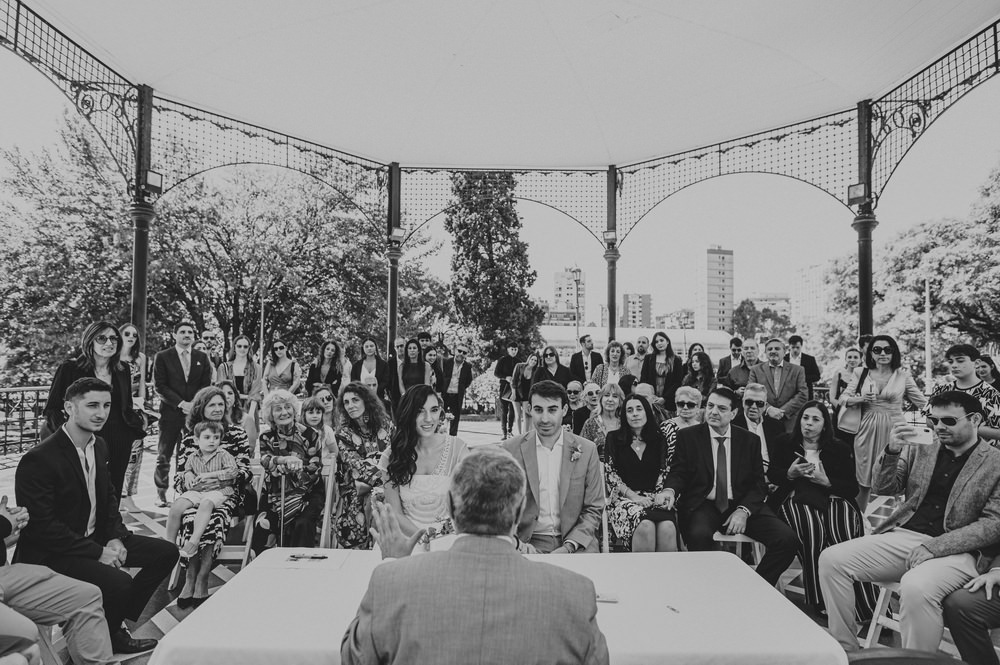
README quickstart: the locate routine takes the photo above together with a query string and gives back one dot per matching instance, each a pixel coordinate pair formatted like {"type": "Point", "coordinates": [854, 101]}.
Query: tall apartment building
{"type": "Point", "coordinates": [714, 310]}
{"type": "Point", "coordinates": [809, 295]}
{"type": "Point", "coordinates": [636, 310]}
{"type": "Point", "coordinates": [565, 296]}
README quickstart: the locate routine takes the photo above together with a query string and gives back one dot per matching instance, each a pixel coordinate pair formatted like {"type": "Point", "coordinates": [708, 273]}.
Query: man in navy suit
{"type": "Point", "coordinates": [583, 363]}
{"type": "Point", "coordinates": [178, 373]}
{"type": "Point", "coordinates": [717, 482]}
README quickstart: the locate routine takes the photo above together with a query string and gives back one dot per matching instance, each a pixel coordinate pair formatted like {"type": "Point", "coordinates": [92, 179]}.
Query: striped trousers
{"type": "Point", "coordinates": [817, 530]}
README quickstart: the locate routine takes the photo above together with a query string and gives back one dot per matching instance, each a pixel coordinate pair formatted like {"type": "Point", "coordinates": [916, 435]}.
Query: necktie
{"type": "Point", "coordinates": [776, 371]}
{"type": "Point", "coordinates": [721, 486]}
{"type": "Point", "coordinates": [186, 363]}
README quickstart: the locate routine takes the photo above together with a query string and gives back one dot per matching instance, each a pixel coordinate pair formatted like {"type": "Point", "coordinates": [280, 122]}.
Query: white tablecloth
{"type": "Point", "coordinates": [691, 608]}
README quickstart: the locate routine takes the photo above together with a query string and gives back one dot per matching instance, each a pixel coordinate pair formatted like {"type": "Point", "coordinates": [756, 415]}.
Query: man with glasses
{"type": "Point", "coordinates": [962, 363]}
{"type": "Point", "coordinates": [178, 373]}
{"type": "Point", "coordinates": [717, 481]}
{"type": "Point", "coordinates": [785, 383]}
{"type": "Point", "coordinates": [634, 362]}
{"type": "Point", "coordinates": [751, 418]}
{"type": "Point", "coordinates": [456, 375]}
{"type": "Point", "coordinates": [730, 361]}
{"type": "Point", "coordinates": [739, 375]}
{"type": "Point", "coordinates": [583, 363]}
{"type": "Point", "coordinates": [931, 543]}
{"type": "Point", "coordinates": [211, 341]}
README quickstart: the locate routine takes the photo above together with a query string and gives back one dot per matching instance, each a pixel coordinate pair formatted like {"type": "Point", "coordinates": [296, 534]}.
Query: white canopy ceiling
{"type": "Point", "coordinates": [519, 83]}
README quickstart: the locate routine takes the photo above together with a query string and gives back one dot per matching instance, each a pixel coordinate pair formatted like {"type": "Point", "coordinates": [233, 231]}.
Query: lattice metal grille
{"type": "Point", "coordinates": [187, 141]}
{"type": "Point", "coordinates": [900, 117]}
{"type": "Point", "coordinates": [582, 195]}
{"type": "Point", "coordinates": [820, 152]}
{"type": "Point", "coordinates": [106, 99]}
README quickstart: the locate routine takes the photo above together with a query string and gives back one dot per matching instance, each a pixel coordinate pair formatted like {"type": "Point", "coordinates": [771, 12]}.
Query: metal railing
{"type": "Point", "coordinates": [21, 417]}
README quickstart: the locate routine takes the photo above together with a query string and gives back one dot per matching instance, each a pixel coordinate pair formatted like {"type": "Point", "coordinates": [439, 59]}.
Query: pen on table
{"type": "Point", "coordinates": [673, 609]}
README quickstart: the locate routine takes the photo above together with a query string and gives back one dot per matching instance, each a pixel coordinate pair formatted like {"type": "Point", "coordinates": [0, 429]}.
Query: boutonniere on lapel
{"type": "Point", "coordinates": [575, 455]}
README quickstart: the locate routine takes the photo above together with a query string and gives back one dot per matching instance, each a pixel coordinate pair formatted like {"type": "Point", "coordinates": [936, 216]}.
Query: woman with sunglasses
{"type": "Point", "coordinates": [662, 369]}
{"type": "Point", "coordinates": [132, 357]}
{"type": "Point", "coordinates": [879, 387]}
{"type": "Point", "coordinates": [816, 486]}
{"type": "Point", "coordinates": [638, 459]}
{"type": "Point", "coordinates": [281, 372]}
{"type": "Point", "coordinates": [245, 375]}
{"type": "Point", "coordinates": [551, 369]}
{"type": "Point", "coordinates": [101, 346]}
{"type": "Point", "coordinates": [689, 413]}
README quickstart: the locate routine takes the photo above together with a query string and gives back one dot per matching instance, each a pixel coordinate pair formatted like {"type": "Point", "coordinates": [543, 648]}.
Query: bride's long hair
{"type": "Point", "coordinates": [403, 447]}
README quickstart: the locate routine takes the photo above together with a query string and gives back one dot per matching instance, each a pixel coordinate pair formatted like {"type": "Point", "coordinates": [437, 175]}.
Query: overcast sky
{"type": "Point", "coordinates": [774, 225]}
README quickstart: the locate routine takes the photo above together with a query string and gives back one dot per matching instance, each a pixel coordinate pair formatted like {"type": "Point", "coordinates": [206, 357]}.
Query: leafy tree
{"type": "Point", "coordinates": [746, 319]}
{"type": "Point", "coordinates": [490, 271]}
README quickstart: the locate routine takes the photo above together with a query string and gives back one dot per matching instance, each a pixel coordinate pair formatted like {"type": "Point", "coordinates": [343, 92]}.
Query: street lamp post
{"type": "Point", "coordinates": [576, 278]}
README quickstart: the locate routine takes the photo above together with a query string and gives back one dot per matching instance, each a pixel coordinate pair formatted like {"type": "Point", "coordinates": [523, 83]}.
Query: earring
{"type": "Point", "coordinates": [364, 418]}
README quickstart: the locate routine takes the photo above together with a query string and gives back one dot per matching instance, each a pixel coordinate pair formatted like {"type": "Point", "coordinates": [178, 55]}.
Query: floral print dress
{"type": "Point", "coordinates": [359, 453]}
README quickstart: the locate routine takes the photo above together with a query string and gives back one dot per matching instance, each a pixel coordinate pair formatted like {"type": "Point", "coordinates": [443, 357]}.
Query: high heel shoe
{"type": "Point", "coordinates": [185, 603]}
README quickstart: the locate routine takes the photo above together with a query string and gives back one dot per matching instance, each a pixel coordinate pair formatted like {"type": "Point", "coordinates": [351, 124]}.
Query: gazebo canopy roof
{"type": "Point", "coordinates": [519, 83]}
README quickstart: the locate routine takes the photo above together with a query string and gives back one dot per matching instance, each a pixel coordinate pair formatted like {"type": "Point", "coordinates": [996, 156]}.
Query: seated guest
{"type": "Point", "coordinates": [548, 524]}
{"type": "Point", "coordinates": [35, 595]}
{"type": "Point", "coordinates": [589, 406]}
{"type": "Point", "coordinates": [717, 480]}
{"type": "Point", "coordinates": [628, 383]}
{"type": "Point", "coordinates": [418, 464]}
{"type": "Point", "coordinates": [700, 374]}
{"type": "Point", "coordinates": [689, 414]}
{"type": "Point", "coordinates": [405, 618]}
{"type": "Point", "coordinates": [74, 526]}
{"type": "Point", "coordinates": [928, 550]}
{"type": "Point", "coordinates": [751, 418]}
{"type": "Point", "coordinates": [607, 419]}
{"type": "Point", "coordinates": [656, 403]}
{"type": "Point", "coordinates": [291, 456]}
{"type": "Point", "coordinates": [574, 389]}
{"type": "Point", "coordinates": [816, 486]}
{"type": "Point", "coordinates": [971, 612]}
{"type": "Point", "coordinates": [638, 459]}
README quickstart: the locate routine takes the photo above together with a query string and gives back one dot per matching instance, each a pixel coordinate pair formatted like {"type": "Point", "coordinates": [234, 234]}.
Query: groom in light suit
{"type": "Point", "coordinates": [565, 490]}
{"type": "Point", "coordinates": [503, 609]}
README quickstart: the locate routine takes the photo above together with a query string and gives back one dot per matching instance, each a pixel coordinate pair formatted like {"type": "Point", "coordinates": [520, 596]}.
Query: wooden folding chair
{"type": "Point", "coordinates": [331, 508]}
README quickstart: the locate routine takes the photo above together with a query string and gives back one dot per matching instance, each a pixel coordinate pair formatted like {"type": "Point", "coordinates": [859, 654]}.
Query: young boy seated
{"type": "Point", "coordinates": [209, 462]}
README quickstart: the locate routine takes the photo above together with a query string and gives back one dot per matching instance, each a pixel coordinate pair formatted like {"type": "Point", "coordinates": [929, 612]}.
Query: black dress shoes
{"type": "Point", "coordinates": [123, 642]}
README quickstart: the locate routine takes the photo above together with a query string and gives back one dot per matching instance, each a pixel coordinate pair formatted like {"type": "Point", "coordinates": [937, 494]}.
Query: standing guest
{"type": "Point", "coordinates": [739, 375]}
{"type": "Point", "coordinates": [816, 486]}
{"type": "Point", "coordinates": [852, 360]}
{"type": "Point", "coordinates": [663, 370]}
{"type": "Point", "coordinates": [412, 369]}
{"type": "Point", "coordinates": [364, 432]}
{"type": "Point", "coordinates": [700, 374]}
{"type": "Point", "coordinates": [404, 617]}
{"type": "Point", "coordinates": [566, 496]}
{"type": "Point", "coordinates": [522, 386]}
{"type": "Point", "coordinates": [628, 350]}
{"type": "Point", "coordinates": [74, 526]}
{"type": "Point", "coordinates": [932, 542]}
{"type": "Point", "coordinates": [517, 395]}
{"type": "Point", "coordinates": [418, 465]}
{"type": "Point", "coordinates": [179, 373]}
{"type": "Point", "coordinates": [962, 363]}
{"type": "Point", "coordinates": [291, 457]}
{"type": "Point", "coordinates": [863, 342]}
{"type": "Point", "coordinates": [425, 341]}
{"type": "Point", "coordinates": [638, 459]}
{"type": "Point", "coordinates": [590, 405]}
{"type": "Point", "coordinates": [879, 388]}
{"type": "Point", "coordinates": [635, 360]}
{"type": "Point", "coordinates": [614, 367]}
{"type": "Point", "coordinates": [209, 405]}
{"type": "Point", "coordinates": [718, 476]}
{"type": "Point", "coordinates": [607, 418]}
{"type": "Point", "coordinates": [211, 341]}
{"type": "Point", "coordinates": [246, 376]}
{"type": "Point", "coordinates": [697, 347]}
{"type": "Point", "coordinates": [987, 371]}
{"type": "Point", "coordinates": [132, 357]}
{"type": "Point", "coordinates": [505, 372]}
{"type": "Point", "coordinates": [203, 348]}
{"type": "Point", "coordinates": [372, 370]}
{"type": "Point", "coordinates": [805, 361]}
{"type": "Point", "coordinates": [551, 369]}
{"type": "Point", "coordinates": [726, 363]}
{"type": "Point", "coordinates": [583, 363]}
{"type": "Point", "coordinates": [432, 359]}
{"type": "Point", "coordinates": [101, 347]}
{"type": "Point", "coordinates": [329, 367]}
{"type": "Point", "coordinates": [689, 414]}
{"type": "Point", "coordinates": [785, 383]}
{"type": "Point", "coordinates": [281, 372]}
{"type": "Point", "coordinates": [455, 380]}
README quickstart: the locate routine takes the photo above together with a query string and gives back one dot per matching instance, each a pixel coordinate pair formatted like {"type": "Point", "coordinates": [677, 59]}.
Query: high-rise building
{"type": "Point", "coordinates": [779, 303]}
{"type": "Point", "coordinates": [565, 293]}
{"type": "Point", "coordinates": [636, 310]}
{"type": "Point", "coordinates": [715, 291]}
{"type": "Point", "coordinates": [809, 295]}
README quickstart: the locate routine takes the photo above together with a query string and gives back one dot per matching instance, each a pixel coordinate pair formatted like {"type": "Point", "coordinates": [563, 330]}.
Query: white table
{"type": "Point", "coordinates": [692, 608]}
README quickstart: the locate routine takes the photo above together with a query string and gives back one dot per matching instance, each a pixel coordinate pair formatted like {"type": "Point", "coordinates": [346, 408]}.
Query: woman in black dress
{"type": "Point", "coordinates": [328, 368]}
{"type": "Point", "coordinates": [662, 369]}
{"type": "Point", "coordinates": [413, 370]}
{"type": "Point", "coordinates": [551, 369]}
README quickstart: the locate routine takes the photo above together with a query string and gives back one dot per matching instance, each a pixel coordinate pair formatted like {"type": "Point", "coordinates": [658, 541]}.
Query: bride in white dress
{"type": "Point", "coordinates": [418, 464]}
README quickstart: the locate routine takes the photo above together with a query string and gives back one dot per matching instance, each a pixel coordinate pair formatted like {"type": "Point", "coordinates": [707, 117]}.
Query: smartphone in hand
{"type": "Point", "coordinates": [921, 436]}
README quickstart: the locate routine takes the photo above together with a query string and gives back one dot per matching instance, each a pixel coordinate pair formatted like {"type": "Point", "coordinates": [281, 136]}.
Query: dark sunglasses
{"type": "Point", "coordinates": [326, 399]}
{"type": "Point", "coordinates": [687, 405]}
{"type": "Point", "coordinates": [462, 351]}
{"type": "Point", "coordinates": [104, 339]}
{"type": "Point", "coordinates": [572, 392]}
{"type": "Point", "coordinates": [882, 350]}
{"type": "Point", "coordinates": [948, 421]}
{"type": "Point", "coordinates": [589, 393]}
{"type": "Point", "coordinates": [759, 403]}
{"type": "Point", "coordinates": [128, 333]}
{"type": "Point", "coordinates": [279, 348]}
{"type": "Point", "coordinates": [549, 355]}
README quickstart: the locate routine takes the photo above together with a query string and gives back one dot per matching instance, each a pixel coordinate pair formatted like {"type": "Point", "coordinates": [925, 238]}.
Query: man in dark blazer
{"type": "Point", "coordinates": [727, 363]}
{"type": "Point", "coordinates": [785, 383]}
{"type": "Point", "coordinates": [74, 526]}
{"type": "Point", "coordinates": [583, 363]}
{"type": "Point", "coordinates": [456, 378]}
{"type": "Point", "coordinates": [805, 361]}
{"type": "Point", "coordinates": [178, 373]}
{"type": "Point", "coordinates": [717, 482]}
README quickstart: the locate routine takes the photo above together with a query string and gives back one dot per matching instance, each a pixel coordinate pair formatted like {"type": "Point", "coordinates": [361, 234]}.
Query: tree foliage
{"type": "Point", "coordinates": [490, 270]}
{"type": "Point", "coordinates": [748, 322]}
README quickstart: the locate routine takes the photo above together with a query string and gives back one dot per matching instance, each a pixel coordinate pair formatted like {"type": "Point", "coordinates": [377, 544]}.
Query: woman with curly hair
{"type": "Point", "coordinates": [614, 367]}
{"type": "Point", "coordinates": [293, 477]}
{"type": "Point", "coordinates": [209, 404]}
{"type": "Point", "coordinates": [363, 433]}
{"type": "Point", "coordinates": [700, 375]}
{"type": "Point", "coordinates": [328, 368]}
{"type": "Point", "coordinates": [419, 463]}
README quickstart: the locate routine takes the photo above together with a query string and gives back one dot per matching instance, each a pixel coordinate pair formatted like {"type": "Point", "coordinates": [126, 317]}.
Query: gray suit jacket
{"type": "Point", "coordinates": [791, 394]}
{"type": "Point", "coordinates": [972, 514]}
{"type": "Point", "coordinates": [581, 490]}
{"type": "Point", "coordinates": [479, 602]}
